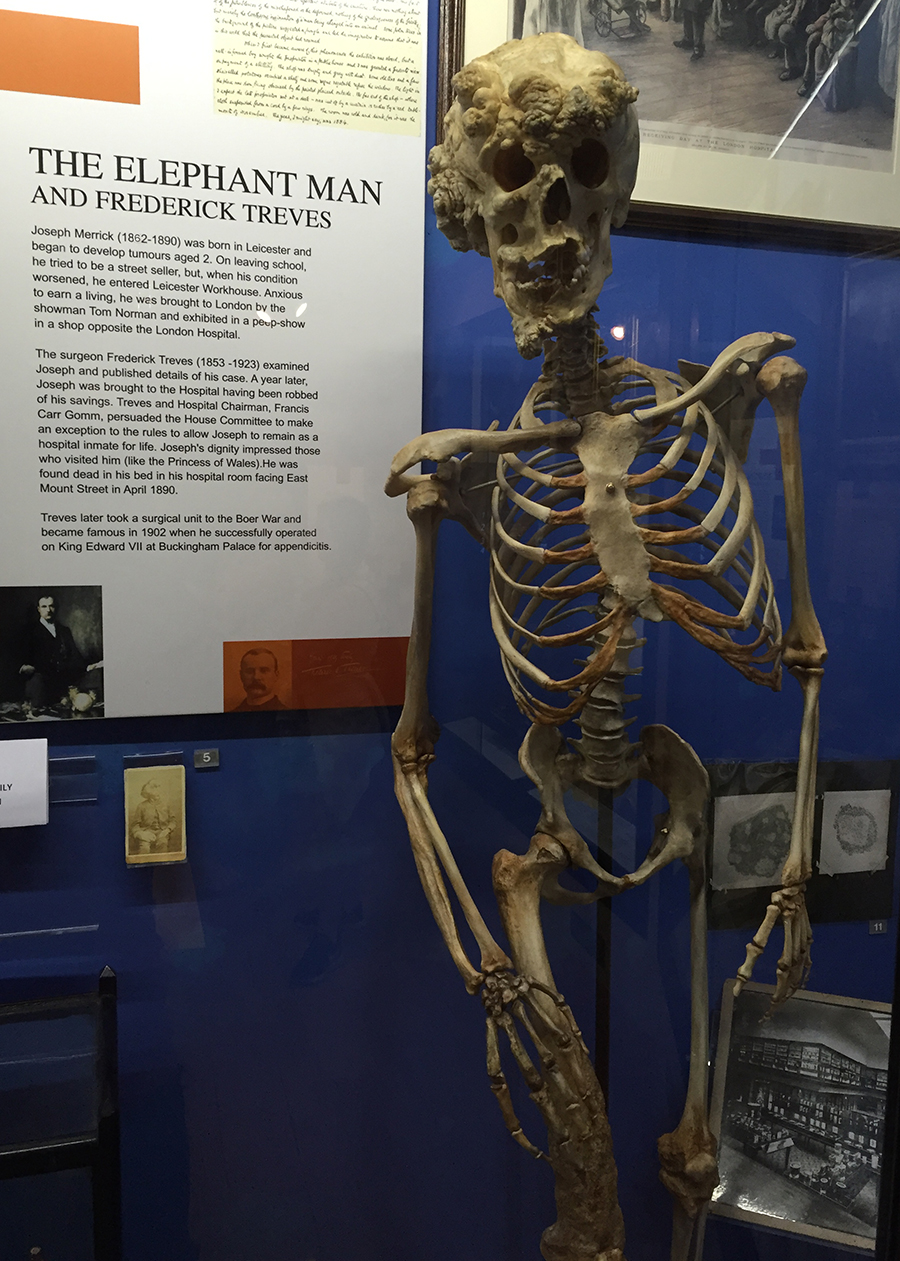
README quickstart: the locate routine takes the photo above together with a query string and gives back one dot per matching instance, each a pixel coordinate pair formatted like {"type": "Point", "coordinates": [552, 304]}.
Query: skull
{"type": "Point", "coordinates": [538, 162]}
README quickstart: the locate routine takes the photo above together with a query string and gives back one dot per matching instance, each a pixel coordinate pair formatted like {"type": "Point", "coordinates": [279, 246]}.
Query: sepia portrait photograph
{"type": "Point", "coordinates": [810, 80]}
{"type": "Point", "coordinates": [256, 676]}
{"type": "Point", "coordinates": [51, 653]}
{"type": "Point", "coordinates": [799, 1106]}
{"type": "Point", "coordinates": [154, 815]}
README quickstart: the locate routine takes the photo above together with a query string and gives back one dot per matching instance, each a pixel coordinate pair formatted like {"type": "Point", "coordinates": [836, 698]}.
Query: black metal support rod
{"type": "Point", "coordinates": [107, 1178]}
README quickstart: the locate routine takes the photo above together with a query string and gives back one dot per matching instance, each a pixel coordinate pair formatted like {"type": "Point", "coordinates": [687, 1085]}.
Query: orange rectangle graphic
{"type": "Point", "coordinates": [264, 674]}
{"type": "Point", "coordinates": [53, 56]}
{"type": "Point", "coordinates": [348, 673]}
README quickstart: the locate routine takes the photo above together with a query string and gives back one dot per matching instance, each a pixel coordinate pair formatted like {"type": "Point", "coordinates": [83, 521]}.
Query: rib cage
{"type": "Point", "coordinates": [693, 511]}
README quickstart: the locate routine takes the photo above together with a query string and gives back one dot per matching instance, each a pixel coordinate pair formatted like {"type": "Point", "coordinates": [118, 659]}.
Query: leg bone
{"type": "Point", "coordinates": [688, 1155]}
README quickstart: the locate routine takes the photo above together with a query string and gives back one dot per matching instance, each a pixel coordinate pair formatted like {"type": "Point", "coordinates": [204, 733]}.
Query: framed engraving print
{"type": "Point", "coordinates": [761, 121]}
{"type": "Point", "coordinates": [799, 1107]}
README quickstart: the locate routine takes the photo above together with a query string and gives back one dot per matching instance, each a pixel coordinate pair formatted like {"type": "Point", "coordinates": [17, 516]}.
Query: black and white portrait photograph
{"type": "Point", "coordinates": [854, 831]}
{"type": "Point", "coordinates": [799, 1104]}
{"type": "Point", "coordinates": [51, 653]}
{"type": "Point", "coordinates": [808, 80]}
{"type": "Point", "coordinates": [751, 838]}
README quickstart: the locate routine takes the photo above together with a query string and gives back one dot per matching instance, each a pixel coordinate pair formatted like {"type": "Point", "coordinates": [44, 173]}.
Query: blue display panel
{"type": "Point", "coordinates": [300, 1067]}
{"type": "Point", "coordinates": [51, 1212]}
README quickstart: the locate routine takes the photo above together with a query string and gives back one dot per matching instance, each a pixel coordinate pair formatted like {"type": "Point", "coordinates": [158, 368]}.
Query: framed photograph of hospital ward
{"type": "Point", "coordinates": [756, 116]}
{"type": "Point", "coordinates": [154, 815]}
{"type": "Point", "coordinates": [799, 1102]}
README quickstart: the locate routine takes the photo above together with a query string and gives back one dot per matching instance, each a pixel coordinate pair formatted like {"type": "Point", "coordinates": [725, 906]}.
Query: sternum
{"type": "Point", "coordinates": [606, 450]}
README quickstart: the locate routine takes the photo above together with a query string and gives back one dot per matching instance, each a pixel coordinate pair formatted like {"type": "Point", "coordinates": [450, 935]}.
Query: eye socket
{"type": "Point", "coordinates": [512, 169]}
{"type": "Point", "coordinates": [590, 163]}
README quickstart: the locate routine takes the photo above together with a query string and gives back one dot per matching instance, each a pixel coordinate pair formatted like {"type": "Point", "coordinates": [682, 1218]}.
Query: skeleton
{"type": "Point", "coordinates": [634, 479]}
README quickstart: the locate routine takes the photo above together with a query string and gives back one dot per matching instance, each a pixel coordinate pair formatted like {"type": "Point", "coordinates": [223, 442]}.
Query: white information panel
{"type": "Point", "coordinates": [211, 342]}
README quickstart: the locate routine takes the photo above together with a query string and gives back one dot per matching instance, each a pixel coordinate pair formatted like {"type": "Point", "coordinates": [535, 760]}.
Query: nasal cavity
{"type": "Point", "coordinates": [557, 205]}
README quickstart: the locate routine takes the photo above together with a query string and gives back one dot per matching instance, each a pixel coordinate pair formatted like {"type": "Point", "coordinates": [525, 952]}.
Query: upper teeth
{"type": "Point", "coordinates": [552, 268]}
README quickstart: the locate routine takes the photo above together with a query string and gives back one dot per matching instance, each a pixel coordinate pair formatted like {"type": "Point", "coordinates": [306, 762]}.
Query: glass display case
{"type": "Point", "coordinates": [670, 299]}
{"type": "Point", "coordinates": [301, 1072]}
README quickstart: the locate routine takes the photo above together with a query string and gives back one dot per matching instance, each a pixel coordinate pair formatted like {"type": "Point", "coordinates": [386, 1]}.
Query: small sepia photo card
{"type": "Point", "coordinates": [154, 815]}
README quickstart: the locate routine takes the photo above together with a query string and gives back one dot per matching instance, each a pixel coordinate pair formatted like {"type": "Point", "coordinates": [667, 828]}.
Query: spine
{"type": "Point", "coordinates": [579, 360]}
{"type": "Point", "coordinates": [609, 758]}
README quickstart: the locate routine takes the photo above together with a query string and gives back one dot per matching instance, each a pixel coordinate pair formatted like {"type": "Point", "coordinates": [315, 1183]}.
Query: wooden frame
{"type": "Point", "coordinates": [657, 210]}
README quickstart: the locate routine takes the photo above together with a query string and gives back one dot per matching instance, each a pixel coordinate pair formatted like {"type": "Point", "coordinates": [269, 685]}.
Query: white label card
{"type": "Point", "coordinates": [24, 790]}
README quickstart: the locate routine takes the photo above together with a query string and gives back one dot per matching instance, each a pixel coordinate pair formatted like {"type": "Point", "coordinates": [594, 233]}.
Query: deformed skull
{"type": "Point", "coordinates": [538, 162]}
